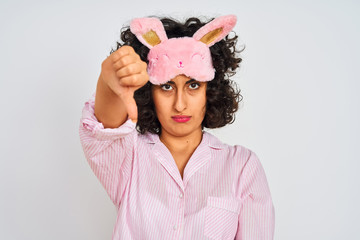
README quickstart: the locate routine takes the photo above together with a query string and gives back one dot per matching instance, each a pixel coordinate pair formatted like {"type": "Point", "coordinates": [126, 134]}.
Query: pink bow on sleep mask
{"type": "Point", "coordinates": [184, 55]}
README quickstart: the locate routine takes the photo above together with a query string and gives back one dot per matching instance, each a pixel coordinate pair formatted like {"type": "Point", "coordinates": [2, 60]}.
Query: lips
{"type": "Point", "coordinates": [181, 118]}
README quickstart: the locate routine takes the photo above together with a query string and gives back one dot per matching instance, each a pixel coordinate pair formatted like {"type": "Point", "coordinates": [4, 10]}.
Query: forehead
{"type": "Point", "coordinates": [180, 79]}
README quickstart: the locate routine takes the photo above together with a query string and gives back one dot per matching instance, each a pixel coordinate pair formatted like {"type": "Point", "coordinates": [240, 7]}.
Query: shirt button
{"type": "Point", "coordinates": [180, 195]}
{"type": "Point", "coordinates": [174, 227]}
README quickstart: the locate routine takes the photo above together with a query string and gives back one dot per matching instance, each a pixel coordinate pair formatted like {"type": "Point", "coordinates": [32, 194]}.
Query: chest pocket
{"type": "Point", "coordinates": [221, 218]}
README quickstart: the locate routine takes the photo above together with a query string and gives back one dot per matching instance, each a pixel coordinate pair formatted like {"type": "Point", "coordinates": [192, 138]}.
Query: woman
{"type": "Point", "coordinates": [170, 179]}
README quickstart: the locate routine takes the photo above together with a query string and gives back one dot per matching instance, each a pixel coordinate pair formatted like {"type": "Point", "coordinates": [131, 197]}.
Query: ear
{"type": "Point", "coordinates": [149, 31]}
{"type": "Point", "coordinates": [215, 30]}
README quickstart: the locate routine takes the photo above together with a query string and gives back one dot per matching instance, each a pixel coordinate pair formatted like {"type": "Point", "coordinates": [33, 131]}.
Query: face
{"type": "Point", "coordinates": [180, 105]}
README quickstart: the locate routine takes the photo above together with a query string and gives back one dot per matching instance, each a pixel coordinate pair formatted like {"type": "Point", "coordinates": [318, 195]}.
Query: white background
{"type": "Point", "coordinates": [300, 114]}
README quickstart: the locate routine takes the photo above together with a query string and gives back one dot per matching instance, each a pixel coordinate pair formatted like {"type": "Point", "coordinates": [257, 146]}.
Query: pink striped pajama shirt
{"type": "Point", "coordinates": [223, 194]}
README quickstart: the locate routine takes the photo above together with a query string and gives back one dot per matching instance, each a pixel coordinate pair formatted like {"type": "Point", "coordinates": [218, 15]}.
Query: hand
{"type": "Point", "coordinates": [124, 72]}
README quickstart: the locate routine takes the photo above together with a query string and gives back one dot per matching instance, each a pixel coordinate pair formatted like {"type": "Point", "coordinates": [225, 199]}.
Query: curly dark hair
{"type": "Point", "coordinates": [222, 94]}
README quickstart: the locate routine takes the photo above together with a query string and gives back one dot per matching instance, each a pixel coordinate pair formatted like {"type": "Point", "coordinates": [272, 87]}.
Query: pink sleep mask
{"type": "Point", "coordinates": [184, 55]}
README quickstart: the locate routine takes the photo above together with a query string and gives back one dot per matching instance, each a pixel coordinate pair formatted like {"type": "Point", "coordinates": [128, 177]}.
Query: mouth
{"type": "Point", "coordinates": [181, 118]}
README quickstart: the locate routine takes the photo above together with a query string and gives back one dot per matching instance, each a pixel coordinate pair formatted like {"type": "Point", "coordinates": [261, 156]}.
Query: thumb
{"type": "Point", "coordinates": [130, 105]}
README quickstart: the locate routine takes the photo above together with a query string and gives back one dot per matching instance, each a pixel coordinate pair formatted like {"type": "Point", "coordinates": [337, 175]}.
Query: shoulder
{"type": "Point", "coordinates": [234, 150]}
{"type": "Point", "coordinates": [147, 138]}
{"type": "Point", "coordinates": [241, 162]}
{"type": "Point", "coordinates": [238, 155]}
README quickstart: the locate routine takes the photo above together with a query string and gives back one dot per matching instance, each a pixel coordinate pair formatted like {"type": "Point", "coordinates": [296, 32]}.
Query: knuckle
{"type": "Point", "coordinates": [125, 82]}
{"type": "Point", "coordinates": [129, 69]}
{"type": "Point", "coordinates": [105, 63]}
{"type": "Point", "coordinates": [116, 55]}
{"type": "Point", "coordinates": [135, 79]}
{"type": "Point", "coordinates": [122, 61]}
{"type": "Point", "coordinates": [145, 78]}
{"type": "Point", "coordinates": [127, 49]}
{"type": "Point", "coordinates": [126, 70]}
{"type": "Point", "coordinates": [120, 73]}
{"type": "Point", "coordinates": [130, 48]}
{"type": "Point", "coordinates": [137, 57]}
{"type": "Point", "coordinates": [117, 65]}
{"type": "Point", "coordinates": [144, 65]}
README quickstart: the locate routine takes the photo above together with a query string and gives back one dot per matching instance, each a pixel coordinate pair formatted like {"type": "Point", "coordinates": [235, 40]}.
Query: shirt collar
{"type": "Point", "coordinates": [208, 140]}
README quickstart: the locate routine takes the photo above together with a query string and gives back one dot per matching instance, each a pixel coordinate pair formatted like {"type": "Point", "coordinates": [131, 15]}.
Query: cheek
{"type": "Point", "coordinates": [161, 105]}
{"type": "Point", "coordinates": [155, 100]}
{"type": "Point", "coordinates": [157, 104]}
{"type": "Point", "coordinates": [201, 108]}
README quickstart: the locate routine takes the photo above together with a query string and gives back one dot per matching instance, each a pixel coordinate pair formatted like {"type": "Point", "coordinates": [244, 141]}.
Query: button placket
{"type": "Point", "coordinates": [181, 201]}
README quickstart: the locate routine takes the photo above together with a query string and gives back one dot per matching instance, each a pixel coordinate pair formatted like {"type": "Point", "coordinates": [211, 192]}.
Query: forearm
{"type": "Point", "coordinates": [109, 108]}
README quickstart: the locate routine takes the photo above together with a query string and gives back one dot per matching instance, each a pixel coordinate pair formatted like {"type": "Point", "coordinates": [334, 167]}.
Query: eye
{"type": "Point", "coordinates": [166, 87]}
{"type": "Point", "coordinates": [194, 85]}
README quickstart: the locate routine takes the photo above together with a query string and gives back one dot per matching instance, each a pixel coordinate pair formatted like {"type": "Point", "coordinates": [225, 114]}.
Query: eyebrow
{"type": "Point", "coordinates": [190, 81]}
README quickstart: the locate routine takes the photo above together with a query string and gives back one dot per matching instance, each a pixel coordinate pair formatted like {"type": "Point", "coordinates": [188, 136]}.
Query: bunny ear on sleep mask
{"type": "Point", "coordinates": [184, 55]}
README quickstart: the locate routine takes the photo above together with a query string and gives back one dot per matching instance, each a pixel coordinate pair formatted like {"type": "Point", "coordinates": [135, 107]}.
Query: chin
{"type": "Point", "coordinates": [183, 131]}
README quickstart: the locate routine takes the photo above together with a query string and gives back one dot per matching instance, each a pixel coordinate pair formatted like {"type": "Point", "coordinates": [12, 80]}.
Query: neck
{"type": "Point", "coordinates": [184, 144]}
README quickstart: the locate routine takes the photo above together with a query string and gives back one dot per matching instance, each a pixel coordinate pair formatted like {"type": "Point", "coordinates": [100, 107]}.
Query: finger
{"type": "Point", "coordinates": [121, 52]}
{"type": "Point", "coordinates": [131, 69]}
{"type": "Point", "coordinates": [135, 80]}
{"type": "Point", "coordinates": [130, 105]}
{"type": "Point", "coordinates": [124, 61]}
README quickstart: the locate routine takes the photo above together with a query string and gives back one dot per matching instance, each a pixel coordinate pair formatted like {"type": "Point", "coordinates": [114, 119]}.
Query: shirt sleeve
{"type": "Point", "coordinates": [109, 151]}
{"type": "Point", "coordinates": [257, 214]}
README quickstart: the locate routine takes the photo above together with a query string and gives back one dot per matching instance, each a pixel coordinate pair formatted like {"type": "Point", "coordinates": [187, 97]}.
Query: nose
{"type": "Point", "coordinates": [180, 101]}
